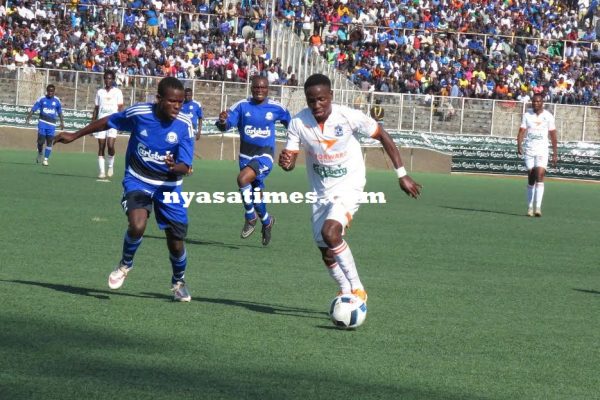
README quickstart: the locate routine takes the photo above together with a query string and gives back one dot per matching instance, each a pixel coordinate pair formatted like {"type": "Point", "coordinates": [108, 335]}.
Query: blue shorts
{"type": "Point", "coordinates": [46, 130]}
{"type": "Point", "coordinates": [170, 215]}
{"type": "Point", "coordinates": [262, 166]}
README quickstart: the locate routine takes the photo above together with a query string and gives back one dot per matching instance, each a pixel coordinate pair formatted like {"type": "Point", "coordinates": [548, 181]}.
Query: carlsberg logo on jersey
{"type": "Point", "coordinates": [48, 110]}
{"type": "Point", "coordinates": [325, 171]}
{"type": "Point", "coordinates": [257, 132]}
{"type": "Point", "coordinates": [149, 156]}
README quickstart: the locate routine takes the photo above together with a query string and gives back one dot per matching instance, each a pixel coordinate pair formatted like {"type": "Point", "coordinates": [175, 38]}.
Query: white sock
{"type": "Point", "coordinates": [338, 275]}
{"type": "Point", "coordinates": [344, 258]}
{"type": "Point", "coordinates": [530, 194]}
{"type": "Point", "coordinates": [111, 161]}
{"type": "Point", "coordinates": [539, 195]}
{"type": "Point", "coordinates": [101, 164]}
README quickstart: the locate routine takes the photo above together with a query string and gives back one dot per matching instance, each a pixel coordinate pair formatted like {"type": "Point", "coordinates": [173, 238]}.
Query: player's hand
{"type": "Point", "coordinates": [519, 150]}
{"type": "Point", "coordinates": [64, 137]}
{"type": "Point", "coordinates": [223, 116]}
{"type": "Point", "coordinates": [554, 159]}
{"type": "Point", "coordinates": [62, 127]}
{"type": "Point", "coordinates": [170, 162]}
{"type": "Point", "coordinates": [410, 187]}
{"type": "Point", "coordinates": [285, 160]}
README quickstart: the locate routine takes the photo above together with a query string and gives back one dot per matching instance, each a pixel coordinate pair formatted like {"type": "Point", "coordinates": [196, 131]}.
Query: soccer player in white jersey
{"type": "Point", "coordinates": [109, 100]}
{"type": "Point", "coordinates": [159, 154]}
{"type": "Point", "coordinates": [336, 172]}
{"type": "Point", "coordinates": [537, 125]}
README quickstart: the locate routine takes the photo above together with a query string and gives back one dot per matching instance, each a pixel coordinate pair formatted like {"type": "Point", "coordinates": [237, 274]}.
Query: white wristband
{"type": "Point", "coordinates": [401, 172]}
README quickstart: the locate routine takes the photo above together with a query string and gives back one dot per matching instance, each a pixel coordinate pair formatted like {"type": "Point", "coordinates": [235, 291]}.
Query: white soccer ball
{"type": "Point", "coordinates": [348, 311]}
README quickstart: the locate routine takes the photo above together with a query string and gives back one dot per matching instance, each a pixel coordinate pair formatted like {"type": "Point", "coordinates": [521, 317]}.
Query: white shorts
{"type": "Point", "coordinates": [111, 133]}
{"type": "Point", "coordinates": [538, 160]}
{"type": "Point", "coordinates": [338, 208]}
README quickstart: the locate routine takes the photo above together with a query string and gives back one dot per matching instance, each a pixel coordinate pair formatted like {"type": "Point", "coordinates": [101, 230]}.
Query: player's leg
{"type": "Point", "coordinates": [540, 174]}
{"type": "Point", "coordinates": [172, 218]}
{"type": "Point", "coordinates": [101, 136]}
{"type": "Point", "coordinates": [48, 150]}
{"type": "Point", "coordinates": [244, 180]}
{"type": "Point", "coordinates": [529, 164]}
{"type": "Point", "coordinates": [262, 167]}
{"type": "Point", "coordinates": [319, 214]}
{"type": "Point", "coordinates": [41, 138]}
{"type": "Point", "coordinates": [111, 138]}
{"type": "Point", "coordinates": [137, 205]}
{"type": "Point", "coordinates": [338, 216]}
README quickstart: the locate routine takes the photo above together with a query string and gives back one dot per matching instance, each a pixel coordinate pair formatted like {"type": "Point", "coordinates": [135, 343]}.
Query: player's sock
{"type": "Point", "coordinates": [111, 161]}
{"type": "Point", "coordinates": [47, 152]}
{"type": "Point", "coordinates": [539, 195]}
{"type": "Point", "coordinates": [130, 246]}
{"type": "Point", "coordinates": [101, 170]}
{"type": "Point", "coordinates": [178, 264]}
{"type": "Point", "coordinates": [338, 275]}
{"type": "Point", "coordinates": [530, 195]}
{"type": "Point", "coordinates": [344, 258]}
{"type": "Point", "coordinates": [265, 218]}
{"type": "Point", "coordinates": [246, 192]}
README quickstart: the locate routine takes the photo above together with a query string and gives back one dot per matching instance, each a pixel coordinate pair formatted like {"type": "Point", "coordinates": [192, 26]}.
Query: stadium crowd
{"type": "Point", "coordinates": [506, 49]}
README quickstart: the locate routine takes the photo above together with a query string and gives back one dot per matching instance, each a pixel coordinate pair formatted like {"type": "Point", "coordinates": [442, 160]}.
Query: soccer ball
{"type": "Point", "coordinates": [348, 311]}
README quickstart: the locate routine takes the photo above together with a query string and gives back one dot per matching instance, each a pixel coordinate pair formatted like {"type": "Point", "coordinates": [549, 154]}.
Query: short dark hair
{"type": "Point", "coordinates": [317, 79]}
{"type": "Point", "coordinates": [169, 83]}
{"type": "Point", "coordinates": [50, 86]}
{"type": "Point", "coordinates": [188, 90]}
{"type": "Point", "coordinates": [111, 73]}
{"type": "Point", "coordinates": [259, 78]}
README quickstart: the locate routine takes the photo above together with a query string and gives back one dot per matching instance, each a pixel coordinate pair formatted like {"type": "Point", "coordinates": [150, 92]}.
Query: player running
{"type": "Point", "coordinates": [50, 109]}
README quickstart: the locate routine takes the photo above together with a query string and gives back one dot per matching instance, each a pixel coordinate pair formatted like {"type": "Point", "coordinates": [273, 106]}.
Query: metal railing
{"type": "Point", "coordinates": [402, 112]}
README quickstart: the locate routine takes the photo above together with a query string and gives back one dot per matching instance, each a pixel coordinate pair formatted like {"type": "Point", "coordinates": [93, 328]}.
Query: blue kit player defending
{"type": "Point", "coordinates": [50, 110]}
{"type": "Point", "coordinates": [255, 120]}
{"type": "Point", "coordinates": [193, 110]}
{"type": "Point", "coordinates": [159, 154]}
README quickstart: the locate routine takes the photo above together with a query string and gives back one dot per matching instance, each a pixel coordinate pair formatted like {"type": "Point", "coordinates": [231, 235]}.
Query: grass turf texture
{"type": "Point", "coordinates": [468, 298]}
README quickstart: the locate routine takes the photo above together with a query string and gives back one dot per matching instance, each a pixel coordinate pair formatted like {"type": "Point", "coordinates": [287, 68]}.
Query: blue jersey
{"type": "Point", "coordinates": [50, 108]}
{"type": "Point", "coordinates": [151, 141]}
{"type": "Point", "coordinates": [193, 110]}
{"type": "Point", "coordinates": [256, 124]}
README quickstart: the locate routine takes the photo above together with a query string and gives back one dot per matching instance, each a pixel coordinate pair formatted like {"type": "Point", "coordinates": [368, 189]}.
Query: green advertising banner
{"type": "Point", "coordinates": [498, 155]}
{"type": "Point", "coordinates": [478, 154]}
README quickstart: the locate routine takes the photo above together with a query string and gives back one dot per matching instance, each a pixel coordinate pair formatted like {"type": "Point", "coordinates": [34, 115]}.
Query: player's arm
{"type": "Point", "coordinates": [408, 186]}
{"type": "Point", "coordinates": [95, 113]}
{"type": "Point", "coordinates": [34, 108]}
{"type": "Point", "coordinates": [96, 126]}
{"type": "Point", "coordinates": [178, 168]}
{"type": "Point", "coordinates": [199, 131]}
{"type": "Point", "coordinates": [62, 121]}
{"type": "Point", "coordinates": [553, 140]}
{"type": "Point", "coordinates": [520, 137]}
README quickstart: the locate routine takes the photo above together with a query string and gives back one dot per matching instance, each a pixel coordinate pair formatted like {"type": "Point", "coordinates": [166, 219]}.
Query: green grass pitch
{"type": "Point", "coordinates": [468, 298]}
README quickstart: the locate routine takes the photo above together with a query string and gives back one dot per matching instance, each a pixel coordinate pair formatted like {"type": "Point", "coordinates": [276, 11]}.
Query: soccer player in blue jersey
{"type": "Point", "coordinates": [160, 152]}
{"type": "Point", "coordinates": [255, 120]}
{"type": "Point", "coordinates": [193, 110]}
{"type": "Point", "coordinates": [50, 110]}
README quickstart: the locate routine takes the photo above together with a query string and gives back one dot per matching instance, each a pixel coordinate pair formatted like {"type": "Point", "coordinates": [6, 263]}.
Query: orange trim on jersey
{"type": "Point", "coordinates": [349, 217]}
{"type": "Point", "coordinates": [321, 125]}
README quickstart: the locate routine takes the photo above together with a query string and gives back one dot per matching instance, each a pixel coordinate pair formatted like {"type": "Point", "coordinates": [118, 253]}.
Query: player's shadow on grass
{"type": "Point", "coordinates": [262, 308]}
{"type": "Point", "coordinates": [482, 211]}
{"type": "Point", "coordinates": [69, 175]}
{"type": "Point", "coordinates": [208, 243]}
{"type": "Point", "coordinates": [81, 291]}
{"type": "Point", "coordinates": [587, 291]}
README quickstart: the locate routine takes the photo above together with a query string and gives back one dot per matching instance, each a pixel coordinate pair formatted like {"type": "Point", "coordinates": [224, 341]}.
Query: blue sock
{"type": "Point", "coordinates": [47, 152]}
{"type": "Point", "coordinates": [246, 192]}
{"type": "Point", "coordinates": [130, 246]}
{"type": "Point", "coordinates": [261, 209]}
{"type": "Point", "coordinates": [178, 264]}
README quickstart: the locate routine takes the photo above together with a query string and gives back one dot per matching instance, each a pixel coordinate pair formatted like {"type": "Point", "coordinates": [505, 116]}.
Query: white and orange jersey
{"type": "Point", "coordinates": [334, 160]}
{"type": "Point", "coordinates": [537, 126]}
{"type": "Point", "coordinates": [108, 101]}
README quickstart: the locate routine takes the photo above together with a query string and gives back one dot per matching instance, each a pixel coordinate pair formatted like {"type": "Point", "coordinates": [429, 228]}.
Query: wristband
{"type": "Point", "coordinates": [401, 172]}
